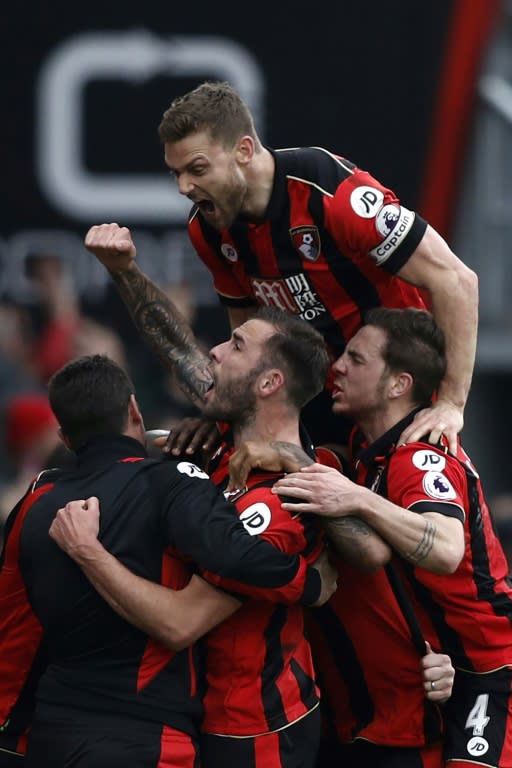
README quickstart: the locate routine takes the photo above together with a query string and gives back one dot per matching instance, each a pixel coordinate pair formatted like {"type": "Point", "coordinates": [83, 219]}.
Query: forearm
{"type": "Point", "coordinates": [152, 608]}
{"type": "Point", "coordinates": [426, 540]}
{"type": "Point", "coordinates": [460, 329]}
{"type": "Point", "coordinates": [356, 542]}
{"type": "Point", "coordinates": [165, 330]}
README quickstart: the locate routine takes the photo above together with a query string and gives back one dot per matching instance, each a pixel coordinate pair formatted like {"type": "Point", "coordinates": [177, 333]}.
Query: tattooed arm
{"type": "Point", "coordinates": [275, 456]}
{"type": "Point", "coordinates": [428, 539]}
{"type": "Point", "coordinates": [156, 317]}
{"type": "Point", "coordinates": [356, 542]}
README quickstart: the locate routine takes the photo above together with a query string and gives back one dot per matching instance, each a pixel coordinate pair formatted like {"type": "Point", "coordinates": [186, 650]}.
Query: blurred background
{"type": "Point", "coordinates": [419, 94]}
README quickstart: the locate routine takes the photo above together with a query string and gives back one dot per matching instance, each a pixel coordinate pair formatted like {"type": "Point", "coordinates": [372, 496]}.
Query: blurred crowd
{"type": "Point", "coordinates": [57, 325]}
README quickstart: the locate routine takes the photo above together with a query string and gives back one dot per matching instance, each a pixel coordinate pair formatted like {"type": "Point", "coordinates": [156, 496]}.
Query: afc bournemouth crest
{"type": "Point", "coordinates": [306, 240]}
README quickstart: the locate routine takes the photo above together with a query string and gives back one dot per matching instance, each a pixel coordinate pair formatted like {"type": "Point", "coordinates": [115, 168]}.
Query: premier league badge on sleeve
{"type": "Point", "coordinates": [437, 486]}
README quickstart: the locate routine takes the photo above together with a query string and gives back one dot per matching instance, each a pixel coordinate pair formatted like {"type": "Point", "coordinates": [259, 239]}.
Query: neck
{"type": "Point", "coordinates": [260, 180]}
{"type": "Point", "coordinates": [267, 427]}
{"type": "Point", "coordinates": [375, 424]}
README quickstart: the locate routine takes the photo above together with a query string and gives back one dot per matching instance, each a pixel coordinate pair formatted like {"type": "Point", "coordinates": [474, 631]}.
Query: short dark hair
{"type": "Point", "coordinates": [89, 396]}
{"type": "Point", "coordinates": [212, 106]}
{"type": "Point", "coordinates": [298, 347]}
{"type": "Point", "coordinates": [414, 344]}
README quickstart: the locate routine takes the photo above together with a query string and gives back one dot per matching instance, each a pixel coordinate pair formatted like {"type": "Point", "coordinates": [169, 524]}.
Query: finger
{"type": "Point", "coordinates": [436, 434]}
{"type": "Point", "coordinates": [297, 507]}
{"type": "Point", "coordinates": [71, 504]}
{"type": "Point", "coordinates": [239, 468]}
{"type": "Point", "coordinates": [317, 469]}
{"type": "Point", "coordinates": [197, 440]}
{"type": "Point", "coordinates": [212, 439]}
{"type": "Point", "coordinates": [452, 438]}
{"type": "Point", "coordinates": [179, 438]}
{"type": "Point", "coordinates": [428, 647]}
{"type": "Point", "coordinates": [294, 489]}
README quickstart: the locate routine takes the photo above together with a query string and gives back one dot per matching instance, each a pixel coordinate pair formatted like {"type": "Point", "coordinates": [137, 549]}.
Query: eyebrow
{"type": "Point", "coordinates": [237, 336]}
{"type": "Point", "coordinates": [177, 171]}
{"type": "Point", "coordinates": [355, 353]}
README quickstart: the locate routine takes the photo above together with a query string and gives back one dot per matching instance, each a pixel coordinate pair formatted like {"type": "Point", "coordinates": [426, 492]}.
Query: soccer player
{"type": "Point", "coordinates": [428, 505]}
{"type": "Point", "coordinates": [306, 230]}
{"type": "Point", "coordinates": [107, 694]}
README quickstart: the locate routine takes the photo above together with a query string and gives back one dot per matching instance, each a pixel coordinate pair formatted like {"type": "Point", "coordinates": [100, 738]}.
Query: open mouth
{"type": "Point", "coordinates": [208, 388]}
{"type": "Point", "coordinates": [206, 206]}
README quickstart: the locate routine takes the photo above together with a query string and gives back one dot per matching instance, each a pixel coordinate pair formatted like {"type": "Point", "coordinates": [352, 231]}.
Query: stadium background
{"type": "Point", "coordinates": [395, 86]}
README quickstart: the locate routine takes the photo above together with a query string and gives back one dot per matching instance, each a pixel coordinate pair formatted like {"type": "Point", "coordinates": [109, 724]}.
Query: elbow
{"type": "Point", "coordinates": [176, 639]}
{"type": "Point", "coordinates": [371, 558]}
{"type": "Point", "coordinates": [471, 283]}
{"type": "Point", "coordinates": [448, 562]}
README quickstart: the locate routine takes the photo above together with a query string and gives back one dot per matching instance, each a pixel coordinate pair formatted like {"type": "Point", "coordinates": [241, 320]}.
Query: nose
{"type": "Point", "coordinates": [217, 352]}
{"type": "Point", "coordinates": [185, 186]}
{"type": "Point", "coordinates": [340, 365]}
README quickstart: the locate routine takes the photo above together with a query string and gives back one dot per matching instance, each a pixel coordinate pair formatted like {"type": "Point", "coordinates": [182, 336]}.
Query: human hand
{"type": "Point", "coordinates": [113, 246]}
{"type": "Point", "coordinates": [443, 418]}
{"type": "Point", "coordinates": [75, 528]}
{"type": "Point", "coordinates": [438, 675]}
{"type": "Point", "coordinates": [328, 577]}
{"type": "Point", "coordinates": [275, 456]}
{"type": "Point", "coordinates": [319, 490]}
{"type": "Point", "coordinates": [190, 435]}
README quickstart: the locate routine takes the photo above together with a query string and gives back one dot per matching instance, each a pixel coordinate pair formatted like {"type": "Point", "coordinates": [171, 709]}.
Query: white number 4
{"type": "Point", "coordinates": [477, 718]}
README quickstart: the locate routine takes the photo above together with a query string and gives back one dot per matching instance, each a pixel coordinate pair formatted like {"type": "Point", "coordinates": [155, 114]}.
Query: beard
{"type": "Point", "coordinates": [233, 401]}
{"type": "Point", "coordinates": [229, 202]}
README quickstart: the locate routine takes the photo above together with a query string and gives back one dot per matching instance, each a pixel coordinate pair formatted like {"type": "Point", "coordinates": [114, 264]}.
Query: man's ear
{"type": "Point", "coordinates": [245, 150]}
{"type": "Point", "coordinates": [401, 384]}
{"type": "Point", "coordinates": [134, 411]}
{"type": "Point", "coordinates": [270, 381]}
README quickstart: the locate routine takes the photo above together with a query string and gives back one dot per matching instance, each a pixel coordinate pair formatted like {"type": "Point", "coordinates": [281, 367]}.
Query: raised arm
{"type": "Point", "coordinates": [453, 289]}
{"type": "Point", "coordinates": [156, 317]}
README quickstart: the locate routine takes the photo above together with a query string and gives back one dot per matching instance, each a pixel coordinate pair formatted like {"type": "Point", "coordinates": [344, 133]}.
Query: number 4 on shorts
{"type": "Point", "coordinates": [477, 718]}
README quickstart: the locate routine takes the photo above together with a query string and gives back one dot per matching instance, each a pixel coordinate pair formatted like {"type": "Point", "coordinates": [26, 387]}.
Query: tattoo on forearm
{"type": "Point", "coordinates": [293, 455]}
{"type": "Point", "coordinates": [425, 545]}
{"type": "Point", "coordinates": [166, 331]}
{"type": "Point", "coordinates": [349, 527]}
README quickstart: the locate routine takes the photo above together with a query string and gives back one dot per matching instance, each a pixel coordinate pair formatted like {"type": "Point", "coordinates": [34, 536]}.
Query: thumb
{"type": "Point", "coordinates": [428, 647]}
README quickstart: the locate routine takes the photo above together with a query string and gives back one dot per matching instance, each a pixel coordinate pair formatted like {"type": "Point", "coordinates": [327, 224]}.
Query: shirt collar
{"type": "Point", "coordinates": [103, 449]}
{"type": "Point", "coordinates": [386, 443]}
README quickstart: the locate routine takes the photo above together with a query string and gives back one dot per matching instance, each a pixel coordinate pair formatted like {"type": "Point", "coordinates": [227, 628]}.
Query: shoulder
{"type": "Point", "coordinates": [314, 166]}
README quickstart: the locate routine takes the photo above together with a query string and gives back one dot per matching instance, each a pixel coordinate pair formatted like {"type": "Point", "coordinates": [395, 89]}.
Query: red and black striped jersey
{"type": "Point", "coordinates": [260, 674]}
{"type": "Point", "coordinates": [93, 658]}
{"type": "Point", "coordinates": [368, 665]}
{"type": "Point", "coordinates": [328, 250]}
{"type": "Point", "coordinates": [368, 668]}
{"type": "Point", "coordinates": [467, 613]}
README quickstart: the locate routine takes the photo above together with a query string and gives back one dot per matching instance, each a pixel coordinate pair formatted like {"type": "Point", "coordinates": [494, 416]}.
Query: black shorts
{"type": "Point", "coordinates": [364, 754]}
{"type": "Point", "coordinates": [478, 719]}
{"type": "Point", "coordinates": [101, 743]}
{"type": "Point", "coordinates": [293, 747]}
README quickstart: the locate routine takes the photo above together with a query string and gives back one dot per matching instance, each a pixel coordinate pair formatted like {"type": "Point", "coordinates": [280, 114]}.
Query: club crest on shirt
{"type": "Point", "coordinates": [306, 240]}
{"type": "Point", "coordinates": [437, 486]}
{"type": "Point", "coordinates": [229, 253]}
